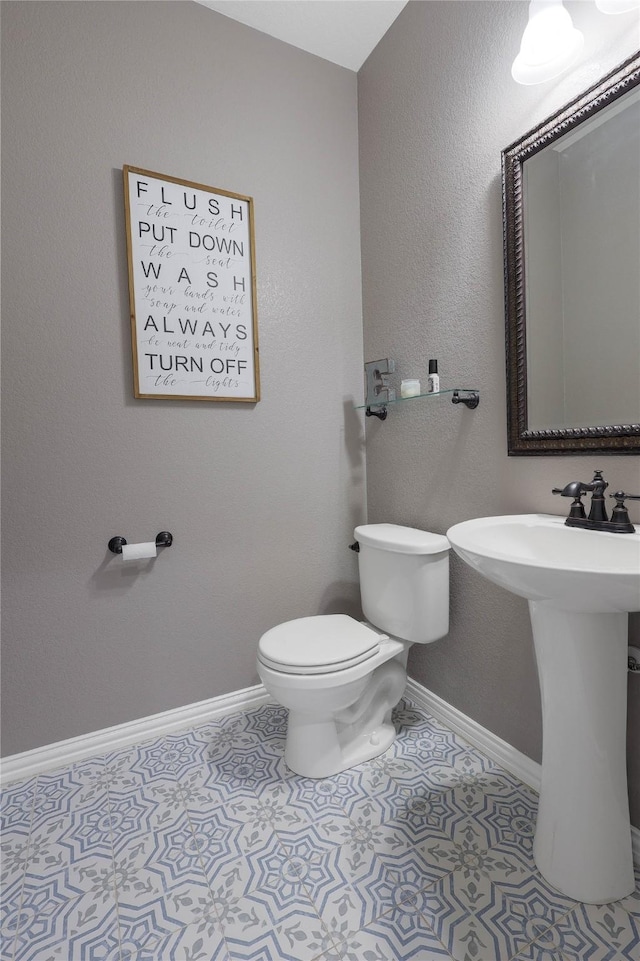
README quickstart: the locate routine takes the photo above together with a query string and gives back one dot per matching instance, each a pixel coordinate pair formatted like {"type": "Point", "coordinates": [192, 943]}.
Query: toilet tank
{"type": "Point", "coordinates": [404, 581]}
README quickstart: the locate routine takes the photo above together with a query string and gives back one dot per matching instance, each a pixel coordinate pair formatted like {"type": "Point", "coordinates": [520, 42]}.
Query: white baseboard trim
{"type": "Point", "coordinates": [490, 744]}
{"type": "Point", "coordinates": [518, 764]}
{"type": "Point", "coordinates": [17, 767]}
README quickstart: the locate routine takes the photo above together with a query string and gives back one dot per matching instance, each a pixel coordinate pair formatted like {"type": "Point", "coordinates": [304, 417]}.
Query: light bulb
{"type": "Point", "coordinates": [550, 43]}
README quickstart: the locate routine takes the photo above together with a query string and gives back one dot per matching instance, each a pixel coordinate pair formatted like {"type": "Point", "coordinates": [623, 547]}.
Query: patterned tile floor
{"type": "Point", "coordinates": [202, 845]}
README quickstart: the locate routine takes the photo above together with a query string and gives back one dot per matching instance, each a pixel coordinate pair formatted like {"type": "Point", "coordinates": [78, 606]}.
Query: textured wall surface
{"type": "Point", "coordinates": [261, 499]}
{"type": "Point", "coordinates": [437, 105]}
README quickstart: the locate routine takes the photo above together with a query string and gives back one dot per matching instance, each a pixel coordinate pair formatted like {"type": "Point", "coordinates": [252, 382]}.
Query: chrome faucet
{"type": "Point", "coordinates": [597, 519]}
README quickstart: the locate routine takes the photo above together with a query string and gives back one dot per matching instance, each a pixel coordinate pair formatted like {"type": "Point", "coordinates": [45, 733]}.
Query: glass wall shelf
{"type": "Point", "coordinates": [470, 397]}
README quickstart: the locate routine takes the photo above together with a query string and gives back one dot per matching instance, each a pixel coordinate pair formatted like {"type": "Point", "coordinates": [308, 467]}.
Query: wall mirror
{"type": "Point", "coordinates": [571, 206]}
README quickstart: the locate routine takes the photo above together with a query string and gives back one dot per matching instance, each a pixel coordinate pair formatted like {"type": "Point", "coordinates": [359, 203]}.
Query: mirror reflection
{"type": "Point", "coordinates": [582, 253]}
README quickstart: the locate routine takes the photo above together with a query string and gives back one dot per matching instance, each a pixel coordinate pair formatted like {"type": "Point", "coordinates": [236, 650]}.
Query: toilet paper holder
{"type": "Point", "coordinates": [163, 539]}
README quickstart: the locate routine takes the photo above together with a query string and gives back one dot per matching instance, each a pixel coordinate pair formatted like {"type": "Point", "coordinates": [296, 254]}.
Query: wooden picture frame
{"type": "Point", "coordinates": [192, 290]}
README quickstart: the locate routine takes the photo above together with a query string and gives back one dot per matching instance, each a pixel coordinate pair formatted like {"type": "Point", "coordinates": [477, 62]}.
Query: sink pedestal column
{"type": "Point", "coordinates": [583, 837]}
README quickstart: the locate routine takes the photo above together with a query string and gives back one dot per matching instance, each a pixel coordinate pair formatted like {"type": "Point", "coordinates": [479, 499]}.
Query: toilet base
{"type": "Point", "coordinates": [331, 758]}
{"type": "Point", "coordinates": [321, 745]}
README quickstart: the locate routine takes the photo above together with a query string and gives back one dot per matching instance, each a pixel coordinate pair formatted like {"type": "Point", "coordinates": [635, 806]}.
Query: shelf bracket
{"type": "Point", "coordinates": [380, 412]}
{"type": "Point", "coordinates": [471, 400]}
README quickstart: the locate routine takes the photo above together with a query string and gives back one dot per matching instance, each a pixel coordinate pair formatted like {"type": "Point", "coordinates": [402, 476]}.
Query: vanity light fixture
{"type": "Point", "coordinates": [550, 43]}
{"type": "Point", "coordinates": [617, 6]}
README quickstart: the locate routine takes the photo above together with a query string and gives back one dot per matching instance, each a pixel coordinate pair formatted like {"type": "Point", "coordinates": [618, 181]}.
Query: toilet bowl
{"type": "Point", "coordinates": [340, 678]}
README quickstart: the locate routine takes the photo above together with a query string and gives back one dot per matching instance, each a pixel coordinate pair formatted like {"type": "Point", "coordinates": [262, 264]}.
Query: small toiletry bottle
{"type": "Point", "coordinates": [410, 388]}
{"type": "Point", "coordinates": [433, 381]}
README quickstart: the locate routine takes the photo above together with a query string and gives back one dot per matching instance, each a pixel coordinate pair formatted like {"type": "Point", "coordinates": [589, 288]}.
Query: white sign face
{"type": "Point", "coordinates": [191, 289]}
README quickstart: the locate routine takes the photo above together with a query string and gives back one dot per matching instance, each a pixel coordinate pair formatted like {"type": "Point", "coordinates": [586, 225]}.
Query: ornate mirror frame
{"type": "Point", "coordinates": [613, 439]}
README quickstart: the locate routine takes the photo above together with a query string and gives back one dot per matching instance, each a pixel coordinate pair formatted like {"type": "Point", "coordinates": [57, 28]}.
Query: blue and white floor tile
{"type": "Point", "coordinates": [203, 846]}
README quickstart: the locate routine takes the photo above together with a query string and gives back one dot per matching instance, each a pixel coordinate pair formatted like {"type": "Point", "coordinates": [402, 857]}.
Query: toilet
{"type": "Point", "coordinates": [339, 677]}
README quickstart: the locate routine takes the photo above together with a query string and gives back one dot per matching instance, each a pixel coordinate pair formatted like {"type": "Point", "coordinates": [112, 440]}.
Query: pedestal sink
{"type": "Point", "coordinates": [580, 585]}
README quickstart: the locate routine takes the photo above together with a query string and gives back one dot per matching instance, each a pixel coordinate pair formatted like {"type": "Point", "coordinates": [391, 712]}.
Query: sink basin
{"type": "Point", "coordinates": [538, 557]}
{"type": "Point", "coordinates": [580, 585]}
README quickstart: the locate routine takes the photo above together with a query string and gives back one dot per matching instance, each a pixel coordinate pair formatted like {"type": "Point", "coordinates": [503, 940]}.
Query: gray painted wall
{"type": "Point", "coordinates": [437, 105]}
{"type": "Point", "coordinates": [261, 499]}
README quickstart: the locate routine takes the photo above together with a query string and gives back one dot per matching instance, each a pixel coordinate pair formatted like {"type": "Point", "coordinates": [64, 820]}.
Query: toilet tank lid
{"type": "Point", "coordinates": [402, 540]}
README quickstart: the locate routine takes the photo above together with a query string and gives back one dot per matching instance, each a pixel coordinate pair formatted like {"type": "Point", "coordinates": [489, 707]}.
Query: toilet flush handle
{"type": "Point", "coordinates": [355, 547]}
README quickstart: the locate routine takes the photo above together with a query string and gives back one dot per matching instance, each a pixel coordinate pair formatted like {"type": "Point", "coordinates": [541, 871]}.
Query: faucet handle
{"type": "Point", "coordinates": [620, 514]}
{"type": "Point", "coordinates": [620, 497]}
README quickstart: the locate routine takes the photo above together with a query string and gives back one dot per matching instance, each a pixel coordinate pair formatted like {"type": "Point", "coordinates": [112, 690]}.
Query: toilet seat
{"type": "Point", "coordinates": [318, 645]}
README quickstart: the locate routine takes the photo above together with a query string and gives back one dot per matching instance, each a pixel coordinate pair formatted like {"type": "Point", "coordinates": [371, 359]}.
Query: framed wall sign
{"type": "Point", "coordinates": [192, 290]}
